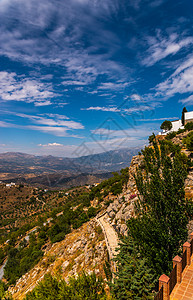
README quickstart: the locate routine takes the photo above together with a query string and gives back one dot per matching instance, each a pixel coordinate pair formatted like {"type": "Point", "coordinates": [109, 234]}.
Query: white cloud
{"type": "Point", "coordinates": [160, 46]}
{"type": "Point", "coordinates": [159, 119]}
{"type": "Point", "coordinates": [113, 86]}
{"type": "Point", "coordinates": [18, 88]}
{"type": "Point", "coordinates": [5, 124]}
{"type": "Point", "coordinates": [30, 41]}
{"type": "Point", "coordinates": [126, 109]}
{"type": "Point", "coordinates": [138, 132]}
{"type": "Point", "coordinates": [55, 124]}
{"type": "Point", "coordinates": [178, 82]}
{"type": "Point", "coordinates": [52, 121]}
{"type": "Point", "coordinates": [136, 97]}
{"type": "Point", "coordinates": [99, 108]}
{"type": "Point", "coordinates": [188, 100]}
{"type": "Point", "coordinates": [73, 82]}
{"type": "Point", "coordinates": [51, 145]}
{"type": "Point", "coordinates": [45, 103]}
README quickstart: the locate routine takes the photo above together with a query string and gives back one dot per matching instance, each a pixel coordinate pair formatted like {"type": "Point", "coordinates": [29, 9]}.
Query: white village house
{"type": "Point", "coordinates": [188, 117]}
{"type": "Point", "coordinates": [177, 124]}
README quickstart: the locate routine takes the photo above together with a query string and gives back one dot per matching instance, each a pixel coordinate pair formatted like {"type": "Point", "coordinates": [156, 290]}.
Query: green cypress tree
{"type": "Point", "coordinates": [183, 112]}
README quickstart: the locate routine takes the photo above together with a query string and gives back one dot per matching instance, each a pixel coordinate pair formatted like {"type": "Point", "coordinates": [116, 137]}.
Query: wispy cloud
{"type": "Point", "coordinates": [53, 124]}
{"type": "Point", "coordinates": [51, 145]}
{"type": "Point", "coordinates": [20, 88]}
{"type": "Point", "coordinates": [139, 132]}
{"type": "Point", "coordinates": [62, 45]}
{"type": "Point", "coordinates": [159, 119]}
{"type": "Point", "coordinates": [188, 100]}
{"type": "Point", "coordinates": [126, 109]}
{"type": "Point", "coordinates": [179, 82]}
{"type": "Point", "coordinates": [103, 108]}
{"type": "Point", "coordinates": [160, 46]}
{"type": "Point", "coordinates": [113, 86]}
{"type": "Point", "coordinates": [50, 121]}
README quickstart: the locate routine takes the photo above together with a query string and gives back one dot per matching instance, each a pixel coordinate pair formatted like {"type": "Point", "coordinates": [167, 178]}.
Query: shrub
{"type": "Point", "coordinates": [188, 140]}
{"type": "Point", "coordinates": [171, 135]}
{"type": "Point", "coordinates": [189, 126]}
{"type": "Point", "coordinates": [181, 131]}
{"type": "Point", "coordinates": [59, 237]}
{"type": "Point", "coordinates": [116, 188]}
{"type": "Point", "coordinates": [85, 287]}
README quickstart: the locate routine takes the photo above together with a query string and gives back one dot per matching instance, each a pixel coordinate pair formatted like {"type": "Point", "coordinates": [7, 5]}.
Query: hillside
{"type": "Point", "coordinates": [90, 244]}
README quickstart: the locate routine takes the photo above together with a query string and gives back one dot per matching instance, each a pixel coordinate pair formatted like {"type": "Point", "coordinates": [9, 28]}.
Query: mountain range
{"type": "Point", "coordinates": [63, 171]}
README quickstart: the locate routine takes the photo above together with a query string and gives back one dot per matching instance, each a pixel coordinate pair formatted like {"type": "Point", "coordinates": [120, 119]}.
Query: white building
{"type": "Point", "coordinates": [176, 125]}
{"type": "Point", "coordinates": [188, 117]}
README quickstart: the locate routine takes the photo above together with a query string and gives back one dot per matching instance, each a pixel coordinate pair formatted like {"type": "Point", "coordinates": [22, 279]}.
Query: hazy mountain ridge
{"type": "Point", "coordinates": [62, 171]}
{"type": "Point", "coordinates": [106, 161]}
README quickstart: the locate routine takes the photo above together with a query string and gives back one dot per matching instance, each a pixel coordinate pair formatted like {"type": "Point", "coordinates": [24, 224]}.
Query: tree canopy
{"type": "Point", "coordinates": [166, 125]}
{"type": "Point", "coordinates": [162, 212]}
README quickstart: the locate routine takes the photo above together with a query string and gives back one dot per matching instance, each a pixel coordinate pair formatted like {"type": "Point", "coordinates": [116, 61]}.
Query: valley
{"type": "Point", "coordinates": [64, 233]}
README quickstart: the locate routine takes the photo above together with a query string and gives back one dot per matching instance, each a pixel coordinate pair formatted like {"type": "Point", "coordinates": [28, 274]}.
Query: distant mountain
{"type": "Point", "coordinates": [63, 171]}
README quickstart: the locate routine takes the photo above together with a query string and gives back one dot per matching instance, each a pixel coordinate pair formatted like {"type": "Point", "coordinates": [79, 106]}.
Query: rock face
{"type": "Point", "coordinates": [83, 249]}
{"type": "Point", "coordinates": [122, 207]}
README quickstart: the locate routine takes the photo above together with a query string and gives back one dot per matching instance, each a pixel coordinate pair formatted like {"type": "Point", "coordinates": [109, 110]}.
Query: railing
{"type": "Point", "coordinates": [184, 260]}
{"type": "Point", "coordinates": [166, 283]}
{"type": "Point", "coordinates": [173, 279]}
{"type": "Point", "coordinates": [159, 295]}
{"type": "Point", "coordinates": [191, 249]}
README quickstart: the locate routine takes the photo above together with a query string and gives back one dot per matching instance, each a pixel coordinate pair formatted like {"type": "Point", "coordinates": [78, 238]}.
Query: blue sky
{"type": "Point", "coordinates": [85, 76]}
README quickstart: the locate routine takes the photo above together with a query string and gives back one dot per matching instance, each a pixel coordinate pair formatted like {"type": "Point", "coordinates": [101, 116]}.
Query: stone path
{"type": "Point", "coordinates": [184, 290]}
{"type": "Point", "coordinates": [111, 238]}
{"type": "Point", "coordinates": [2, 269]}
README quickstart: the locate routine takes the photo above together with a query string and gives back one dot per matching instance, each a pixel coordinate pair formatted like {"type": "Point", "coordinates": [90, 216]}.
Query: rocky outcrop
{"type": "Point", "coordinates": [122, 206]}
{"type": "Point", "coordinates": [82, 250]}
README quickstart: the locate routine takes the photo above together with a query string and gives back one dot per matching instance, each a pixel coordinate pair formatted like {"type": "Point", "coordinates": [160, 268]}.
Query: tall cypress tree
{"type": "Point", "coordinates": [183, 112]}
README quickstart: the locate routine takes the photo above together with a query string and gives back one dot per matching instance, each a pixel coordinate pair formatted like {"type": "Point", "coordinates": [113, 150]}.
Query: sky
{"type": "Point", "coordinates": [86, 76]}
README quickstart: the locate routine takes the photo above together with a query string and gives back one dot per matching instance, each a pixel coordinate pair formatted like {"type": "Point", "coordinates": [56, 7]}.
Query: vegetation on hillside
{"type": "Point", "coordinates": [112, 185]}
{"type": "Point", "coordinates": [155, 234]}
{"type": "Point", "coordinates": [4, 295]}
{"type": "Point", "coordinates": [159, 228]}
{"type": "Point", "coordinates": [85, 287]}
{"type": "Point", "coordinates": [24, 249]}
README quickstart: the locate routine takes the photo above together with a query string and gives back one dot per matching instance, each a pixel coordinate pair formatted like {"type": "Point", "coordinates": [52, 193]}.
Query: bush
{"type": "Point", "coordinates": [181, 131]}
{"type": "Point", "coordinates": [85, 287]}
{"type": "Point", "coordinates": [171, 135]}
{"type": "Point", "coordinates": [188, 140]}
{"type": "Point", "coordinates": [116, 188]}
{"type": "Point", "coordinates": [3, 294]}
{"type": "Point", "coordinates": [91, 212]}
{"type": "Point", "coordinates": [59, 237]}
{"type": "Point", "coordinates": [151, 139]}
{"type": "Point", "coordinates": [189, 126]}
{"type": "Point", "coordinates": [22, 259]}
